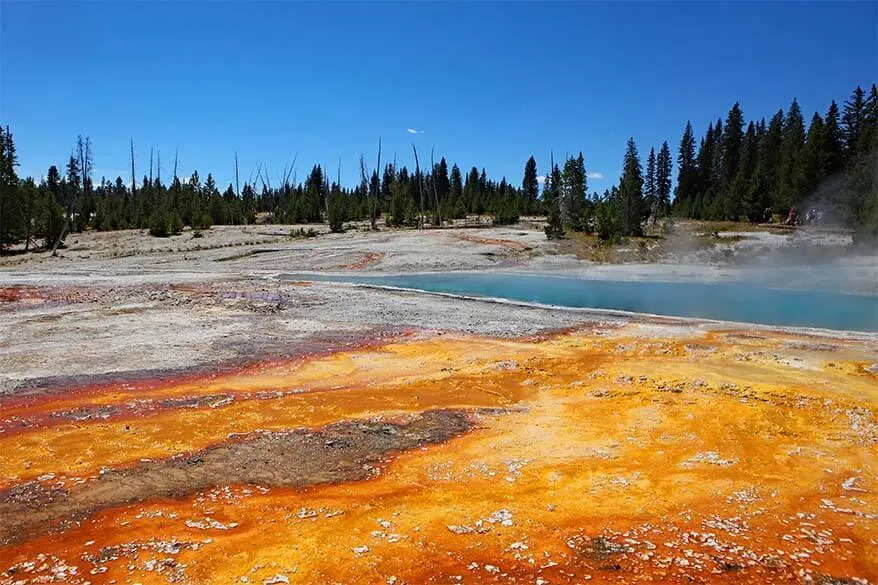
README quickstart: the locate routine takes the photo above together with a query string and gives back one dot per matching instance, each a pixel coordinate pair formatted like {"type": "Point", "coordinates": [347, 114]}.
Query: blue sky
{"type": "Point", "coordinates": [486, 83]}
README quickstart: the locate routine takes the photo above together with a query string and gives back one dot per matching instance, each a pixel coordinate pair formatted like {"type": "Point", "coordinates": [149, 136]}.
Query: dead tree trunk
{"type": "Point", "coordinates": [367, 187]}
{"type": "Point", "coordinates": [373, 218]}
{"type": "Point", "coordinates": [83, 147]}
{"type": "Point", "coordinates": [435, 193]}
{"type": "Point", "coordinates": [237, 184]}
{"type": "Point", "coordinates": [420, 186]}
{"type": "Point", "coordinates": [134, 187]}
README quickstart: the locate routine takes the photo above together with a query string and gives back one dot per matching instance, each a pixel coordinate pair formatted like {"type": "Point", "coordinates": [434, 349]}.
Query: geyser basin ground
{"type": "Point", "coordinates": [641, 453]}
{"type": "Point", "coordinates": [740, 301]}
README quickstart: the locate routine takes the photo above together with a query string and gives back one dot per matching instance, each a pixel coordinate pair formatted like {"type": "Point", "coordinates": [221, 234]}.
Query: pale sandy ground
{"type": "Point", "coordinates": [124, 301]}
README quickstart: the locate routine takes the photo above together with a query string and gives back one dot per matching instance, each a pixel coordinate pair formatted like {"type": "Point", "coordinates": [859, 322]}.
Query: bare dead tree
{"type": "Point", "coordinates": [84, 156]}
{"type": "Point", "coordinates": [374, 215]}
{"type": "Point", "coordinates": [420, 186]}
{"type": "Point", "coordinates": [366, 185]}
{"type": "Point", "coordinates": [435, 193]}
{"type": "Point", "coordinates": [250, 180]}
{"type": "Point", "coordinates": [292, 171]}
{"type": "Point", "coordinates": [366, 180]}
{"type": "Point", "coordinates": [158, 167]}
{"type": "Point", "coordinates": [134, 186]}
{"type": "Point", "coordinates": [326, 192]}
{"type": "Point", "coordinates": [133, 176]}
{"type": "Point", "coordinates": [150, 166]}
{"type": "Point", "coordinates": [237, 185]}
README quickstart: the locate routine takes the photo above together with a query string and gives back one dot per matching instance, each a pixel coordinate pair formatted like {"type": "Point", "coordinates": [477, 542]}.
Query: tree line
{"type": "Point", "coordinates": [734, 174]}
{"type": "Point", "coordinates": [736, 171]}
{"type": "Point", "coordinates": [40, 213]}
{"type": "Point", "coordinates": [753, 169]}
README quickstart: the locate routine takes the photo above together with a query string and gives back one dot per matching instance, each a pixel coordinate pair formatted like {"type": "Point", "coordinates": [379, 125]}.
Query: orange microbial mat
{"type": "Point", "coordinates": [647, 453]}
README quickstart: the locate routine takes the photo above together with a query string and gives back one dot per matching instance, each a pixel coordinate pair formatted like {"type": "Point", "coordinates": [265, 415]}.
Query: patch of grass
{"type": "Point", "coordinates": [591, 248]}
{"type": "Point", "coordinates": [303, 233]}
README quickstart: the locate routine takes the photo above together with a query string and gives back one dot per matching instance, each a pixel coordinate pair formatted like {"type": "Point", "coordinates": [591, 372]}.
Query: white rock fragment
{"type": "Point", "coordinates": [504, 517]}
{"type": "Point", "coordinates": [850, 484]}
{"type": "Point", "coordinates": [710, 457]}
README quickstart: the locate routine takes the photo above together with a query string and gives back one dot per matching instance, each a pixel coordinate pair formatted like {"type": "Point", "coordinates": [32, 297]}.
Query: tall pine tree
{"type": "Point", "coordinates": [732, 143]}
{"type": "Point", "coordinates": [852, 121]}
{"type": "Point", "coordinates": [792, 169]}
{"type": "Point", "coordinates": [739, 199]}
{"type": "Point", "coordinates": [649, 185]}
{"type": "Point", "coordinates": [631, 205]}
{"type": "Point", "coordinates": [573, 190]}
{"type": "Point", "coordinates": [687, 173]}
{"type": "Point", "coordinates": [663, 169]}
{"type": "Point", "coordinates": [834, 141]}
{"type": "Point", "coordinates": [530, 187]}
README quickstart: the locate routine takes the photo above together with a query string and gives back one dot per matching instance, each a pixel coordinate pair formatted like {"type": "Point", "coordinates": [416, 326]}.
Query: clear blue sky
{"type": "Point", "coordinates": [486, 83]}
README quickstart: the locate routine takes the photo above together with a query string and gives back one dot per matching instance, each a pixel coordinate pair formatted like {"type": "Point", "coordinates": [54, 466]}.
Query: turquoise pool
{"type": "Point", "coordinates": [729, 302]}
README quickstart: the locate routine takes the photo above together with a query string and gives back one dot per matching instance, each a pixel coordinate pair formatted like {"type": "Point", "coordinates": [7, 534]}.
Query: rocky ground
{"type": "Point", "coordinates": [173, 412]}
{"type": "Point", "coordinates": [125, 301]}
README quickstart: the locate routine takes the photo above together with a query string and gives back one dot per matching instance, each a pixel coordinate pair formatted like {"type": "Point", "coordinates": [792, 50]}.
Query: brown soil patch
{"type": "Point", "coordinates": [508, 244]}
{"type": "Point", "coordinates": [345, 451]}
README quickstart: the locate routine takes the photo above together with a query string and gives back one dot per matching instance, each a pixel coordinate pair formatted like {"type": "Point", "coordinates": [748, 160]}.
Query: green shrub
{"type": "Point", "coordinates": [163, 224]}
{"type": "Point", "coordinates": [336, 213]}
{"type": "Point", "coordinates": [158, 225]}
{"type": "Point", "coordinates": [303, 233]}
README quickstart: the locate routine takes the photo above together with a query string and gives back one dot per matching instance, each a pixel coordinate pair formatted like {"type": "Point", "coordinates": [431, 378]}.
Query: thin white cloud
{"type": "Point", "coordinates": [595, 175]}
{"type": "Point", "coordinates": [541, 179]}
{"type": "Point", "coordinates": [413, 131]}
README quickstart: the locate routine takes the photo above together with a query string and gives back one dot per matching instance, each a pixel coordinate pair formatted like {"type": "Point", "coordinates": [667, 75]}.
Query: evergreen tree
{"type": "Point", "coordinates": [552, 203]}
{"type": "Point", "coordinates": [335, 213]}
{"type": "Point", "coordinates": [869, 124]}
{"type": "Point", "coordinates": [471, 190]}
{"type": "Point", "coordinates": [632, 208]}
{"type": "Point", "coordinates": [765, 188]}
{"type": "Point", "coordinates": [732, 142]}
{"type": "Point", "coordinates": [792, 171]}
{"type": "Point", "coordinates": [442, 185]}
{"type": "Point", "coordinates": [713, 203]}
{"type": "Point", "coordinates": [573, 190]}
{"type": "Point", "coordinates": [455, 193]}
{"type": "Point", "coordinates": [687, 173]}
{"type": "Point", "coordinates": [814, 156]}
{"type": "Point", "coordinates": [530, 187]}
{"type": "Point", "coordinates": [861, 198]}
{"type": "Point", "coordinates": [11, 213]}
{"type": "Point", "coordinates": [739, 198]}
{"type": "Point", "coordinates": [834, 145]}
{"type": "Point", "coordinates": [649, 186]}
{"type": "Point", "coordinates": [664, 167]}
{"type": "Point", "coordinates": [852, 121]}
{"type": "Point", "coordinates": [705, 168]}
